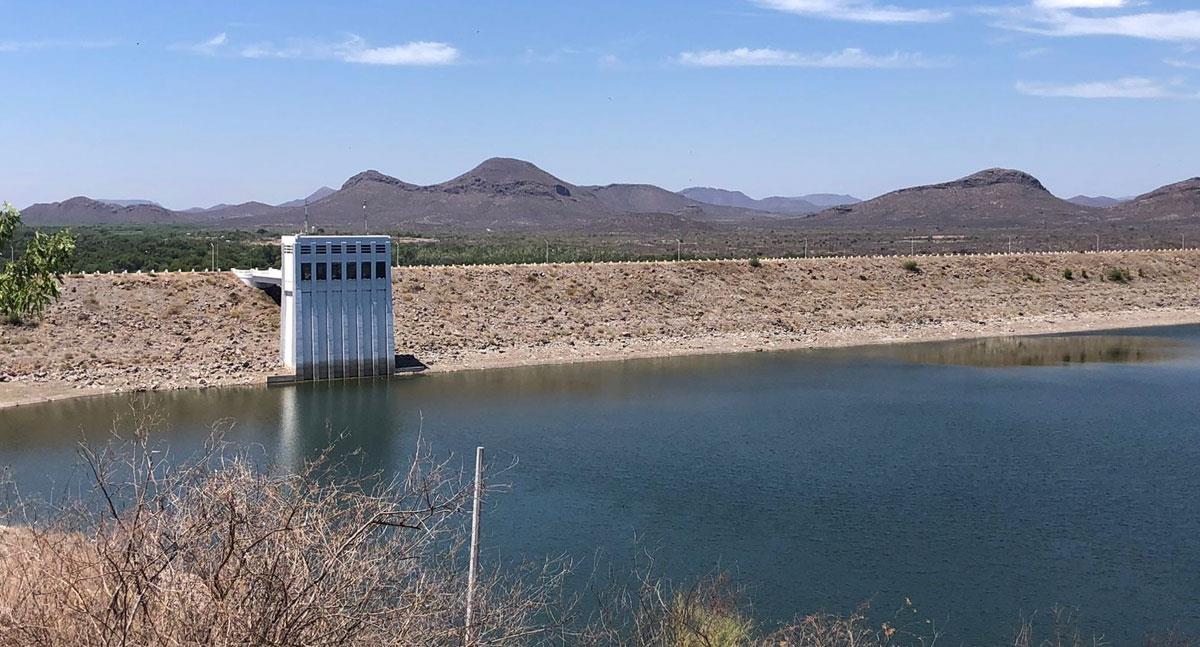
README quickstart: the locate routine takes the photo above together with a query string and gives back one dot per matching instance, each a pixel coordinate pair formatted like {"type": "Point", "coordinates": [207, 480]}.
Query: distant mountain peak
{"type": "Point", "coordinates": [82, 201]}
{"type": "Point", "coordinates": [122, 202]}
{"type": "Point", "coordinates": [988, 177]}
{"type": "Point", "coordinates": [714, 191]}
{"type": "Point", "coordinates": [773, 204]}
{"type": "Point", "coordinates": [505, 176]}
{"type": "Point", "coordinates": [84, 210]}
{"type": "Point", "coordinates": [1098, 201]}
{"type": "Point", "coordinates": [320, 193]}
{"type": "Point", "coordinates": [506, 170]}
{"type": "Point", "coordinates": [995, 197]}
{"type": "Point", "coordinates": [371, 175]}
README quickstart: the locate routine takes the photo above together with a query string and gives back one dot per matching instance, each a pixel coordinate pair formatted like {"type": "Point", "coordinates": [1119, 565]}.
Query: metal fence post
{"type": "Point", "coordinates": [470, 633]}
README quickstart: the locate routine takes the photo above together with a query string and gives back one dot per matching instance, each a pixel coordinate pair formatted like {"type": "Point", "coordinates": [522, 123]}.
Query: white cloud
{"type": "Point", "coordinates": [854, 10]}
{"type": "Point", "coordinates": [847, 58]}
{"type": "Point", "coordinates": [210, 46]}
{"type": "Point", "coordinates": [1125, 88]}
{"type": "Point", "coordinates": [1081, 4]}
{"type": "Point", "coordinates": [1061, 18]}
{"type": "Point", "coordinates": [1187, 65]}
{"type": "Point", "coordinates": [33, 45]}
{"type": "Point", "coordinates": [354, 49]}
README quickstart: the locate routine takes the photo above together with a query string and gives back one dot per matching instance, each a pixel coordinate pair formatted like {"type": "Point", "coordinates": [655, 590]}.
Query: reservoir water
{"type": "Point", "coordinates": [983, 480]}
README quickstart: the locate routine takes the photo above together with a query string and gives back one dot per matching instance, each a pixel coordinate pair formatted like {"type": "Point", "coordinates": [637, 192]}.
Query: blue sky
{"type": "Point", "coordinates": [191, 103]}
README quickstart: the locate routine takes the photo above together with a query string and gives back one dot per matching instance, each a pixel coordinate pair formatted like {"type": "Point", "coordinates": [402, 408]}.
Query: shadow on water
{"type": "Point", "coordinates": [1003, 352]}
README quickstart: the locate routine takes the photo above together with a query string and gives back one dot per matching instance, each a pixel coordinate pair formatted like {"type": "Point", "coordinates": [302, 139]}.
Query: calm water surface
{"type": "Point", "coordinates": [981, 479]}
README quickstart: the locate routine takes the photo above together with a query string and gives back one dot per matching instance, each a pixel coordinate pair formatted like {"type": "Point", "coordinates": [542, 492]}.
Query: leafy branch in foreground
{"type": "Point", "coordinates": [30, 283]}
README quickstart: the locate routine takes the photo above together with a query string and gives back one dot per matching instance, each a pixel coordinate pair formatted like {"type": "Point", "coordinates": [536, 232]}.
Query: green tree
{"type": "Point", "coordinates": [30, 283]}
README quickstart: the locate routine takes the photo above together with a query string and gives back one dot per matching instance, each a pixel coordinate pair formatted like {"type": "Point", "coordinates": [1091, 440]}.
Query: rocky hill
{"type": "Point", "coordinates": [992, 198]}
{"type": "Point", "coordinates": [1179, 202]}
{"type": "Point", "coordinates": [86, 211]}
{"type": "Point", "coordinates": [647, 198]}
{"type": "Point", "coordinates": [499, 193]}
{"type": "Point", "coordinates": [121, 202]}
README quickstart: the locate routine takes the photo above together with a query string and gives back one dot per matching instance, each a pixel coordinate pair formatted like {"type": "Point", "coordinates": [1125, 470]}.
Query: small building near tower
{"type": "Point", "coordinates": [336, 306]}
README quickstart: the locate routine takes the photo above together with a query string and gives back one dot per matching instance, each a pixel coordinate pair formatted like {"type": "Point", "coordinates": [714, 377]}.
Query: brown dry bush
{"type": "Point", "coordinates": [711, 613]}
{"type": "Point", "coordinates": [220, 551]}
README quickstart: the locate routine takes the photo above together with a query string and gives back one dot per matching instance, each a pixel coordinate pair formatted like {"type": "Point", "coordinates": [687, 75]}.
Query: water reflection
{"type": "Point", "coordinates": [823, 477]}
{"type": "Point", "coordinates": [999, 352]}
{"type": "Point", "coordinates": [289, 456]}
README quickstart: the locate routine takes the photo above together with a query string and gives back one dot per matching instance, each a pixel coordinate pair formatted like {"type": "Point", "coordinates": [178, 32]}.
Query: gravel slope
{"type": "Point", "coordinates": [136, 332]}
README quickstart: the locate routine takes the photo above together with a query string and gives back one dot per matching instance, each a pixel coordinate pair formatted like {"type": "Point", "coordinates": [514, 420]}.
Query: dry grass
{"type": "Point", "coordinates": [219, 552]}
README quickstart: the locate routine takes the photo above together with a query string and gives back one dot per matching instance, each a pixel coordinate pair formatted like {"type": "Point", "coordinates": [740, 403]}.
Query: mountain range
{"type": "Point", "coordinates": [811, 203]}
{"type": "Point", "coordinates": [1101, 201]}
{"type": "Point", "coordinates": [511, 194]}
{"type": "Point", "coordinates": [499, 193]}
{"type": "Point", "coordinates": [1004, 198]}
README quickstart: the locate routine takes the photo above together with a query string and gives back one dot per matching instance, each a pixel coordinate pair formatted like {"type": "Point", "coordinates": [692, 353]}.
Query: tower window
{"type": "Point", "coordinates": [336, 271]}
{"type": "Point", "coordinates": [320, 271]}
{"type": "Point", "coordinates": [380, 269]}
{"type": "Point", "coordinates": [351, 271]}
{"type": "Point", "coordinates": [306, 271]}
{"type": "Point", "coordinates": [366, 271]}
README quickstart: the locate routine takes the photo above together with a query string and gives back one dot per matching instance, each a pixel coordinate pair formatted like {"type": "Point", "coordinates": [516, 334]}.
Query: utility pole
{"type": "Point", "coordinates": [912, 247]}
{"type": "Point", "coordinates": [1010, 244]}
{"type": "Point", "coordinates": [805, 248]}
{"type": "Point", "coordinates": [547, 252]}
{"type": "Point", "coordinates": [469, 632]}
{"type": "Point", "coordinates": [213, 266]}
{"type": "Point", "coordinates": [365, 217]}
{"type": "Point", "coordinates": [1097, 242]}
{"type": "Point", "coordinates": [678, 249]}
{"type": "Point", "coordinates": [306, 215]}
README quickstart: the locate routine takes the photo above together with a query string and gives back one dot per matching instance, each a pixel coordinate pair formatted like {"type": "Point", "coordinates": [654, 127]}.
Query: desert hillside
{"type": "Point", "coordinates": [122, 332]}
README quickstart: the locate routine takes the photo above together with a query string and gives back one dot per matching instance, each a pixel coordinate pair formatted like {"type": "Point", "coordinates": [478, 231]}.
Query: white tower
{"type": "Point", "coordinates": [336, 306]}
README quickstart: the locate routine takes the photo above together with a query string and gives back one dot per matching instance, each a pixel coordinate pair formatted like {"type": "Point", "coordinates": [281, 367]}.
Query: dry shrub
{"type": "Point", "coordinates": [831, 630]}
{"type": "Point", "coordinates": [219, 551]}
{"type": "Point", "coordinates": [1063, 631]}
{"type": "Point", "coordinates": [711, 613]}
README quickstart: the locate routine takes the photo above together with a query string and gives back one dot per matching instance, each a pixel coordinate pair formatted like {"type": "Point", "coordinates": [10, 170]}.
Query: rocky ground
{"type": "Point", "coordinates": [137, 332]}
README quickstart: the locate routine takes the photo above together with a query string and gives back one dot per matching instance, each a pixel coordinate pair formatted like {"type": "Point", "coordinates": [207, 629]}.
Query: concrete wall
{"type": "Point", "coordinates": [336, 317]}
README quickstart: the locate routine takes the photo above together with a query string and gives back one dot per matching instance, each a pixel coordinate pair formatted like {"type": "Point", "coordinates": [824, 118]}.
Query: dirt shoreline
{"type": "Point", "coordinates": [117, 333]}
